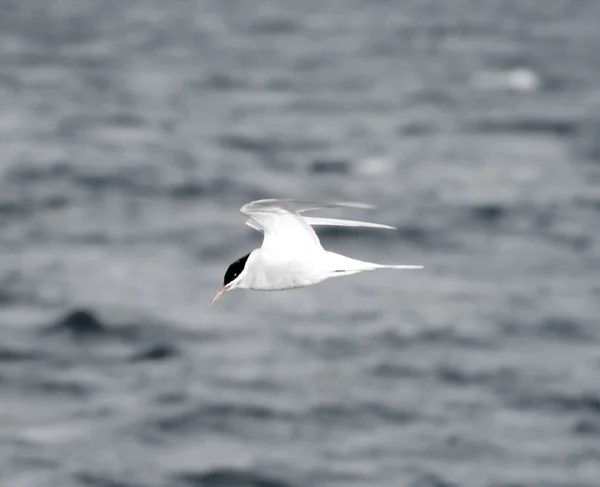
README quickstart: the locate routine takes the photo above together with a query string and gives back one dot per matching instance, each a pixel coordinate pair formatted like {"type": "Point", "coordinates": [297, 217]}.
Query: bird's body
{"type": "Point", "coordinates": [273, 271]}
{"type": "Point", "coordinates": [291, 255]}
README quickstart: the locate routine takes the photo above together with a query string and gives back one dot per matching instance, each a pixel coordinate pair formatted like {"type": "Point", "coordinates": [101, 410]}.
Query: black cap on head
{"type": "Point", "coordinates": [235, 269]}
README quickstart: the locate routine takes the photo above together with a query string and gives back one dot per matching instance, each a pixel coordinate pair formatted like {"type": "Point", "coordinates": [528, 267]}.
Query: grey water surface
{"type": "Point", "coordinates": [132, 131]}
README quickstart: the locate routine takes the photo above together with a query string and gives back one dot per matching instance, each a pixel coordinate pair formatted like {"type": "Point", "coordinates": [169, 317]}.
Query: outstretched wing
{"type": "Point", "coordinates": [339, 222]}
{"type": "Point", "coordinates": [285, 230]}
{"type": "Point", "coordinates": [301, 206]}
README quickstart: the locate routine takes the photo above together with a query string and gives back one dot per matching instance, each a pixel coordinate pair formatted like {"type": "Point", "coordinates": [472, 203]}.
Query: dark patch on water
{"type": "Point", "coordinates": [13, 208]}
{"type": "Point", "coordinates": [430, 97]}
{"type": "Point", "coordinates": [431, 480]}
{"type": "Point", "coordinates": [26, 172]}
{"type": "Point", "coordinates": [418, 129]}
{"type": "Point", "coordinates": [222, 416]}
{"type": "Point", "coordinates": [556, 327]}
{"type": "Point", "coordinates": [14, 354]}
{"type": "Point", "coordinates": [248, 143]}
{"type": "Point", "coordinates": [489, 213]}
{"type": "Point", "coordinates": [58, 387]}
{"type": "Point", "coordinates": [330, 348]}
{"type": "Point", "coordinates": [275, 26]}
{"type": "Point", "coordinates": [502, 378]}
{"type": "Point", "coordinates": [156, 353]}
{"type": "Point", "coordinates": [330, 166]}
{"type": "Point", "coordinates": [355, 233]}
{"type": "Point", "coordinates": [391, 370]}
{"type": "Point", "coordinates": [83, 324]}
{"type": "Point", "coordinates": [587, 142]}
{"type": "Point", "coordinates": [102, 480]}
{"type": "Point", "coordinates": [126, 120]}
{"type": "Point", "coordinates": [361, 414]}
{"type": "Point", "coordinates": [266, 146]}
{"type": "Point", "coordinates": [192, 189]}
{"type": "Point", "coordinates": [424, 237]}
{"type": "Point", "coordinates": [230, 477]}
{"type": "Point", "coordinates": [572, 403]}
{"type": "Point", "coordinates": [588, 201]}
{"type": "Point", "coordinates": [564, 328]}
{"type": "Point", "coordinates": [530, 126]}
{"type": "Point", "coordinates": [215, 188]}
{"type": "Point", "coordinates": [587, 427]}
{"type": "Point", "coordinates": [396, 339]}
{"type": "Point", "coordinates": [222, 82]}
{"type": "Point", "coordinates": [79, 323]}
{"type": "Point", "coordinates": [171, 398]}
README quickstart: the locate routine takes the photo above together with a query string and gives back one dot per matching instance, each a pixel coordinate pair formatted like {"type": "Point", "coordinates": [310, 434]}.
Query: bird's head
{"type": "Point", "coordinates": [234, 277]}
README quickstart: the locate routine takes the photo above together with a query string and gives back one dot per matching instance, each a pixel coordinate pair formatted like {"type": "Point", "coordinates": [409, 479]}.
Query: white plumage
{"type": "Point", "coordinates": [291, 254]}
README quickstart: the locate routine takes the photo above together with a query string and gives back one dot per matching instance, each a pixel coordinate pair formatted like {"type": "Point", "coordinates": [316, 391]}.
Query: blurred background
{"type": "Point", "coordinates": [131, 132]}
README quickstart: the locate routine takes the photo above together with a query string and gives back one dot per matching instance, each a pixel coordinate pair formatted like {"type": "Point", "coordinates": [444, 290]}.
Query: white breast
{"type": "Point", "coordinates": [270, 271]}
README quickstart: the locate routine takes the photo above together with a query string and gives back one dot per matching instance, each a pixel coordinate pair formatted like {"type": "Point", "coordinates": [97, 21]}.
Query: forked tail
{"type": "Point", "coordinates": [399, 267]}
{"type": "Point", "coordinates": [344, 266]}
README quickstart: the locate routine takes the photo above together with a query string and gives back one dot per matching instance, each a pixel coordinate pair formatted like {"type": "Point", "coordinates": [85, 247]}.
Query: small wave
{"type": "Point", "coordinates": [581, 402]}
{"type": "Point", "coordinates": [13, 208]}
{"type": "Point", "coordinates": [454, 375]}
{"type": "Point", "coordinates": [564, 328]}
{"type": "Point", "coordinates": [218, 416]}
{"type": "Point", "coordinates": [248, 143]}
{"type": "Point", "coordinates": [361, 412]}
{"type": "Point", "coordinates": [541, 126]}
{"type": "Point", "coordinates": [488, 212]}
{"type": "Point", "coordinates": [395, 339]}
{"type": "Point", "coordinates": [79, 323]}
{"type": "Point", "coordinates": [386, 369]}
{"type": "Point", "coordinates": [222, 82]}
{"type": "Point", "coordinates": [230, 477]}
{"type": "Point", "coordinates": [423, 237]}
{"type": "Point", "coordinates": [192, 189]}
{"type": "Point", "coordinates": [557, 327]}
{"type": "Point", "coordinates": [25, 172]}
{"type": "Point", "coordinates": [330, 166]}
{"type": "Point", "coordinates": [125, 119]}
{"type": "Point", "coordinates": [14, 354]}
{"type": "Point", "coordinates": [418, 128]}
{"type": "Point", "coordinates": [156, 353]}
{"type": "Point", "coordinates": [274, 26]}
{"type": "Point", "coordinates": [265, 145]}
{"type": "Point", "coordinates": [60, 387]}
{"type": "Point", "coordinates": [130, 181]}
{"type": "Point", "coordinates": [83, 324]}
{"type": "Point", "coordinates": [587, 427]}
{"type": "Point", "coordinates": [587, 141]}
{"type": "Point", "coordinates": [431, 480]}
{"type": "Point", "coordinates": [101, 480]}
{"type": "Point", "coordinates": [577, 403]}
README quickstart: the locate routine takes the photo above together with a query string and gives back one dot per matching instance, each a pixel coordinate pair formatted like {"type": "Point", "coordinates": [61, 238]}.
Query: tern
{"type": "Point", "coordinates": [291, 255]}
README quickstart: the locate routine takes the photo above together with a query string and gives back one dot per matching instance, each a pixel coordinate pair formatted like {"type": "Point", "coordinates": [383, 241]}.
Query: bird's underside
{"type": "Point", "coordinates": [291, 254]}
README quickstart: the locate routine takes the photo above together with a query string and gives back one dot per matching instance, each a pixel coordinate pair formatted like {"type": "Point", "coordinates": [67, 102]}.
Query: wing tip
{"type": "Point", "coordinates": [291, 203]}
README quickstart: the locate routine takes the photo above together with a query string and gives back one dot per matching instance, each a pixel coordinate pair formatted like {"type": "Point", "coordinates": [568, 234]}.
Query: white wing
{"type": "Point", "coordinates": [300, 206]}
{"type": "Point", "coordinates": [314, 221]}
{"type": "Point", "coordinates": [285, 230]}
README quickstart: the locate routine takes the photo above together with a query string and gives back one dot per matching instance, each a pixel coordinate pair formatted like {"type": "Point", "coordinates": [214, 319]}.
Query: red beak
{"type": "Point", "coordinates": [222, 290]}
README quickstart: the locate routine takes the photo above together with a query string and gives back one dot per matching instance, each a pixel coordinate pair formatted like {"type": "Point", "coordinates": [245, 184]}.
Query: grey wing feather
{"type": "Point", "coordinates": [300, 206]}
{"type": "Point", "coordinates": [314, 221]}
{"type": "Point", "coordinates": [252, 224]}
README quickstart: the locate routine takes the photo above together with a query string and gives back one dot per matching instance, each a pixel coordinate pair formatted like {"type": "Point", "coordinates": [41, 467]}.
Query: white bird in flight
{"type": "Point", "coordinates": [291, 255]}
